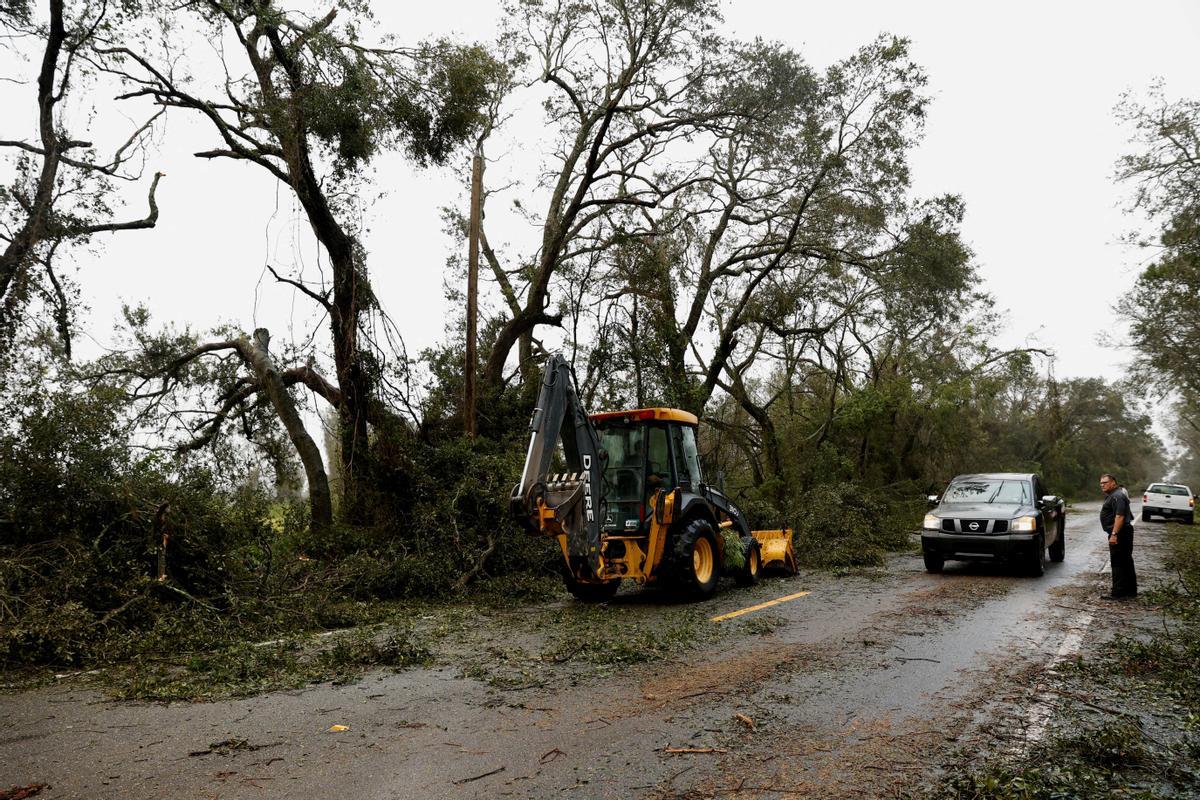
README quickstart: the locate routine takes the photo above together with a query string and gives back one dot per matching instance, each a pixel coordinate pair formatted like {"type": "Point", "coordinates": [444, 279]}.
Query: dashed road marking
{"type": "Point", "coordinates": [759, 607]}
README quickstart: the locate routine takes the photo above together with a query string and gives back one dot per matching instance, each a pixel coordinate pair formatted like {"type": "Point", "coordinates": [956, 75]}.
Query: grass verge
{"type": "Point", "coordinates": [1130, 723]}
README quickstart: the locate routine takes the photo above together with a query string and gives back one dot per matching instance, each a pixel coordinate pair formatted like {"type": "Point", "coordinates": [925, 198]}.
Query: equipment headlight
{"type": "Point", "coordinates": [1025, 524]}
{"type": "Point", "coordinates": [932, 523]}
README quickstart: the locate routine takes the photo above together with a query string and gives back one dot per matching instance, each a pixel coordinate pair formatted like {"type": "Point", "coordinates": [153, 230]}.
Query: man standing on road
{"type": "Point", "coordinates": [1116, 517]}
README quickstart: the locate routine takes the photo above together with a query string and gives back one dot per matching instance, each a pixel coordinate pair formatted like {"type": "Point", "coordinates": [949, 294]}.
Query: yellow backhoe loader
{"type": "Point", "coordinates": [632, 502]}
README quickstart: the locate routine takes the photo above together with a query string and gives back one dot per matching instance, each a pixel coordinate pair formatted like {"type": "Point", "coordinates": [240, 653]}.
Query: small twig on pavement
{"type": "Point", "coordinates": [461, 781]}
{"type": "Point", "coordinates": [677, 750]}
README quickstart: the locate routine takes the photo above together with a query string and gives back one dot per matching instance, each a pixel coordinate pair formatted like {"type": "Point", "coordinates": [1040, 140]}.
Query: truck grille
{"type": "Point", "coordinates": [1001, 526]}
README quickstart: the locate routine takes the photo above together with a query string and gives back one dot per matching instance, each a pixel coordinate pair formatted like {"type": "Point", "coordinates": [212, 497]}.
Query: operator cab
{"type": "Point", "coordinates": [648, 449]}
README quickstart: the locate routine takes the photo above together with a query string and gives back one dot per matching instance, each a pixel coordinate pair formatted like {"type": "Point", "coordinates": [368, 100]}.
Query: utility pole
{"type": "Point", "coordinates": [472, 291]}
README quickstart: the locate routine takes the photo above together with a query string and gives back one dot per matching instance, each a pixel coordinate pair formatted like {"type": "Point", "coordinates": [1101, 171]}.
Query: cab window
{"type": "Point", "coordinates": [691, 456]}
{"type": "Point", "coordinates": [658, 461]}
{"type": "Point", "coordinates": [685, 477]}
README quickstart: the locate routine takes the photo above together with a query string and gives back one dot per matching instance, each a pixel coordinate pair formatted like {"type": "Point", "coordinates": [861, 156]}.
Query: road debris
{"type": "Point", "coordinates": [230, 746]}
{"type": "Point", "coordinates": [473, 778]}
{"type": "Point", "coordinates": [552, 755]}
{"type": "Point", "coordinates": [22, 792]}
{"type": "Point", "coordinates": [746, 720]}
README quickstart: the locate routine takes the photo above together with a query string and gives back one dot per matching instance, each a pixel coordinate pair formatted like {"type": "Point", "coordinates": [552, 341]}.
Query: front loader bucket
{"type": "Point", "coordinates": [776, 547]}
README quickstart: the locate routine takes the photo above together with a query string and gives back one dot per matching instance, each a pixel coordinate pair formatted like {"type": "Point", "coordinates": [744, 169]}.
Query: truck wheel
{"type": "Point", "coordinates": [592, 592]}
{"type": "Point", "coordinates": [1145, 515]}
{"type": "Point", "coordinates": [1058, 550]}
{"type": "Point", "coordinates": [751, 570]}
{"type": "Point", "coordinates": [1036, 564]}
{"type": "Point", "coordinates": [933, 562]}
{"type": "Point", "coordinates": [697, 562]}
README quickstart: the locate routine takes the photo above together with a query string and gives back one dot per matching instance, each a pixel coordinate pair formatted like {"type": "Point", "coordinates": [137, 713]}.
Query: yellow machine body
{"type": "Point", "coordinates": [641, 554]}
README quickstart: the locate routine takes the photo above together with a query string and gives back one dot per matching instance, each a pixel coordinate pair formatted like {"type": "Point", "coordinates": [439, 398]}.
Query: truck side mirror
{"type": "Point", "coordinates": [933, 500]}
{"type": "Point", "coordinates": [1050, 500]}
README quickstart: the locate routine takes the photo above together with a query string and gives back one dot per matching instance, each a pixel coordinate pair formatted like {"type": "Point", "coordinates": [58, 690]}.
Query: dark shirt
{"type": "Point", "coordinates": [1116, 503]}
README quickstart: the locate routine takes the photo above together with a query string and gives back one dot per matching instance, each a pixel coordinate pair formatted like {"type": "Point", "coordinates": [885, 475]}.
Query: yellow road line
{"type": "Point", "coordinates": [758, 607]}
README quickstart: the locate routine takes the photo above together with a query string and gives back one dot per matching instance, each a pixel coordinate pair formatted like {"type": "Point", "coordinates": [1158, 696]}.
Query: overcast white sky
{"type": "Point", "coordinates": [1021, 126]}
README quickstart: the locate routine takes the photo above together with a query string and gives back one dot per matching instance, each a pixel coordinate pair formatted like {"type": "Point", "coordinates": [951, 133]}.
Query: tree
{"type": "Point", "coordinates": [1165, 175]}
{"type": "Point", "coordinates": [308, 102]}
{"type": "Point", "coordinates": [62, 190]}
{"type": "Point", "coordinates": [165, 370]}
{"type": "Point", "coordinates": [628, 82]}
{"type": "Point", "coordinates": [794, 250]}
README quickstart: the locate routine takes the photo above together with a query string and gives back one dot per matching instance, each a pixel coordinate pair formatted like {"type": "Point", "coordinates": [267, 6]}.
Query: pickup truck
{"type": "Point", "coordinates": [1169, 500]}
{"type": "Point", "coordinates": [994, 516]}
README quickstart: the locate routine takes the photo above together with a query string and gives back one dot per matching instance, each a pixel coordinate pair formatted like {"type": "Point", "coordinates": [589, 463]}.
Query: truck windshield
{"type": "Point", "coordinates": [985, 490]}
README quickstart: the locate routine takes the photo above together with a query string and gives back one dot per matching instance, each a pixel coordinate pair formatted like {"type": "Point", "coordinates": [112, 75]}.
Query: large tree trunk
{"type": "Point", "coordinates": [351, 289]}
{"type": "Point", "coordinates": [17, 254]}
{"type": "Point", "coordinates": [258, 354]}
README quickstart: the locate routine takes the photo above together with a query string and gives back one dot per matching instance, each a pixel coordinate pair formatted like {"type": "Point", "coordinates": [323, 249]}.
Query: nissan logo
{"type": "Point", "coordinates": [974, 526]}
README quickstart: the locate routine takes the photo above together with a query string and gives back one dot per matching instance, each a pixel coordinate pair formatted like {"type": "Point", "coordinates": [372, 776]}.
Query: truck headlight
{"type": "Point", "coordinates": [932, 523]}
{"type": "Point", "coordinates": [1025, 524]}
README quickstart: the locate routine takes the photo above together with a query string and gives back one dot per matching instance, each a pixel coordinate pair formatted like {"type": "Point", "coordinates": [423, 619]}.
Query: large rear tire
{"type": "Point", "coordinates": [592, 592]}
{"type": "Point", "coordinates": [697, 561]}
{"type": "Point", "coordinates": [1058, 550]}
{"type": "Point", "coordinates": [751, 570]}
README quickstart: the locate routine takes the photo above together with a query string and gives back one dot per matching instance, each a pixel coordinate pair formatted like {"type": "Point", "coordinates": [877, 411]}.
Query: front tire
{"type": "Point", "coordinates": [697, 561]}
{"type": "Point", "coordinates": [1036, 564]}
{"type": "Point", "coordinates": [1058, 550]}
{"type": "Point", "coordinates": [751, 570]}
{"type": "Point", "coordinates": [933, 562]}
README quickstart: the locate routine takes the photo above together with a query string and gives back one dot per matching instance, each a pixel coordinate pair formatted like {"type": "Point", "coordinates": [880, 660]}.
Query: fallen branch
{"type": "Point", "coordinates": [22, 792]}
{"type": "Point", "coordinates": [461, 781]}
{"type": "Point", "coordinates": [466, 577]}
{"type": "Point", "coordinates": [552, 755]}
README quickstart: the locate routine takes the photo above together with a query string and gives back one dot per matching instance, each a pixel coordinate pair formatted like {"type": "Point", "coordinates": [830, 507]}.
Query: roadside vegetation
{"type": "Point", "coordinates": [1129, 723]}
{"type": "Point", "coordinates": [166, 501]}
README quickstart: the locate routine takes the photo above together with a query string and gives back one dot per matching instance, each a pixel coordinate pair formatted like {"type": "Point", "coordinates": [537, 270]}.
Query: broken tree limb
{"type": "Point", "coordinates": [461, 781]}
{"type": "Point", "coordinates": [258, 355]}
{"type": "Point", "coordinates": [161, 533]}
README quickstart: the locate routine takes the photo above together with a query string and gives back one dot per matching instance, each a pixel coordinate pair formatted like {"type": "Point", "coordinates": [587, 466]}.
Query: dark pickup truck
{"type": "Point", "coordinates": [995, 516]}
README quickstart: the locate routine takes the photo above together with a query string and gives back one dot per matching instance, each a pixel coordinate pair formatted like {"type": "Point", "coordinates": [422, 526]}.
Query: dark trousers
{"type": "Point", "coordinates": [1121, 556]}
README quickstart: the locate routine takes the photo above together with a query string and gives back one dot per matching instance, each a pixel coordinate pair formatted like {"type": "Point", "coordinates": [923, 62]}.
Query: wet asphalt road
{"type": "Point", "coordinates": [852, 690]}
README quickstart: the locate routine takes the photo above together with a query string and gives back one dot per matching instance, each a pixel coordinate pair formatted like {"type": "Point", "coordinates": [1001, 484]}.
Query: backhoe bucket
{"type": "Point", "coordinates": [776, 547]}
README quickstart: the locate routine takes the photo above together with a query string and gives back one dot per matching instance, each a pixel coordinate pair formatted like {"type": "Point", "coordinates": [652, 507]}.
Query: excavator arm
{"type": "Point", "coordinates": [564, 504]}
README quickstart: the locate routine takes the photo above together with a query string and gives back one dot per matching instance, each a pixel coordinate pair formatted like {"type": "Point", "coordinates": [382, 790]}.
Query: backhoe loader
{"type": "Point", "coordinates": [632, 502]}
